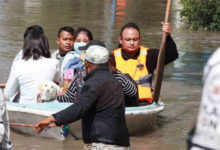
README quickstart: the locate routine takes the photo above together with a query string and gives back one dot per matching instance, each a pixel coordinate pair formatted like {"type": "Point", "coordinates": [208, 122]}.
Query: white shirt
{"type": "Point", "coordinates": [56, 55]}
{"type": "Point", "coordinates": [26, 75]}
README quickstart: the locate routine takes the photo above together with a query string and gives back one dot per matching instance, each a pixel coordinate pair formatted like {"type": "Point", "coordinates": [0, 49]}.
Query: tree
{"type": "Point", "coordinates": [201, 14]}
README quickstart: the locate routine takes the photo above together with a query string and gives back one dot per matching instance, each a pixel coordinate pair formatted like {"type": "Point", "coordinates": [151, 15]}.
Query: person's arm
{"type": "Point", "coordinates": [83, 103]}
{"type": "Point", "coordinates": [43, 124]}
{"type": "Point", "coordinates": [129, 87]}
{"type": "Point", "coordinates": [70, 95]}
{"type": "Point", "coordinates": [171, 52]}
{"type": "Point", "coordinates": [12, 85]}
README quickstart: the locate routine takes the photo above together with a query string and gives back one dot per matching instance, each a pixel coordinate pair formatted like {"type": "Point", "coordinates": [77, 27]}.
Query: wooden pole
{"type": "Point", "coordinates": [161, 58]}
{"type": "Point", "coordinates": [22, 125]}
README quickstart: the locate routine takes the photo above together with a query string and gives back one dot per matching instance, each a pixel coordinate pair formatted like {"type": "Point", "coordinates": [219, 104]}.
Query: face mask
{"type": "Point", "coordinates": [77, 45]}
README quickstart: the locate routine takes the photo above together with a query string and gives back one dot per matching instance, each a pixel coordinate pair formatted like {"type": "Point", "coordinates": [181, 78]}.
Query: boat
{"type": "Point", "coordinates": [138, 118]}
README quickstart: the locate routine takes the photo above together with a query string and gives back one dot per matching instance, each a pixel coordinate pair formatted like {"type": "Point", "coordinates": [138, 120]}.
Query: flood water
{"type": "Point", "coordinates": [182, 84]}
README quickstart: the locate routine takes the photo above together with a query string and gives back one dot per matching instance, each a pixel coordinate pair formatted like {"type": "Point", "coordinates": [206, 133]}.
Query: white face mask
{"type": "Point", "coordinates": [77, 45]}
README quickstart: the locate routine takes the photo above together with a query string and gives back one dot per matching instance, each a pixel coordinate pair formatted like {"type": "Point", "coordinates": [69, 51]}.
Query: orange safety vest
{"type": "Point", "coordinates": [137, 69]}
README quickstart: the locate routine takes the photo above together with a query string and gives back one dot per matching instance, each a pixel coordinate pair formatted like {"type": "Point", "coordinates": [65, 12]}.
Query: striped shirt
{"type": "Point", "coordinates": [71, 92]}
{"type": "Point", "coordinates": [129, 88]}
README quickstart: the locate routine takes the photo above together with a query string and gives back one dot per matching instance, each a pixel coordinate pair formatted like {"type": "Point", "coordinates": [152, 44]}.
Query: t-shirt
{"type": "Point", "coordinates": [26, 75]}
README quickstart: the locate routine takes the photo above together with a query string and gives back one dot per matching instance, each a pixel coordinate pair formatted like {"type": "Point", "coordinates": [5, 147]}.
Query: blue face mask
{"type": "Point", "coordinates": [77, 45]}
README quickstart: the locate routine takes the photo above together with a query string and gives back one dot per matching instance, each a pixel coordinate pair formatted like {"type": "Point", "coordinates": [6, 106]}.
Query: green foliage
{"type": "Point", "coordinates": [202, 14]}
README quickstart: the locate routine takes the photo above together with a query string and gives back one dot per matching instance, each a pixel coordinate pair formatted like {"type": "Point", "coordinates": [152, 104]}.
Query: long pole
{"type": "Point", "coordinates": [22, 125]}
{"type": "Point", "coordinates": [161, 58]}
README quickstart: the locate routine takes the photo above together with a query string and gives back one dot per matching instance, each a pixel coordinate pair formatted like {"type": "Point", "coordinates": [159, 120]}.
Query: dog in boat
{"type": "Point", "coordinates": [47, 91]}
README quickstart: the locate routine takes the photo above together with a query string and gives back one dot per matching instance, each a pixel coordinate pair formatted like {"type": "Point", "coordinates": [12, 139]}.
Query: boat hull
{"type": "Point", "coordinates": [138, 118]}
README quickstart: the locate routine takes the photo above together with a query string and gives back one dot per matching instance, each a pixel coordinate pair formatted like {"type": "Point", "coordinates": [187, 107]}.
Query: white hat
{"type": "Point", "coordinates": [97, 54]}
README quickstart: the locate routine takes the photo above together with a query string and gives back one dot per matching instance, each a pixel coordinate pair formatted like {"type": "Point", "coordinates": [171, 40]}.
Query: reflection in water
{"type": "Point", "coordinates": [31, 9]}
{"type": "Point", "coordinates": [120, 12]}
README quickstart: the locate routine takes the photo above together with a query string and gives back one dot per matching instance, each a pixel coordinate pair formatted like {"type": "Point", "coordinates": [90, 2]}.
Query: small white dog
{"type": "Point", "coordinates": [47, 91]}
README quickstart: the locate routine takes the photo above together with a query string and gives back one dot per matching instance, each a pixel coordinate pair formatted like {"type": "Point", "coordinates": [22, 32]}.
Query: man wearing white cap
{"type": "Point", "coordinates": [101, 105]}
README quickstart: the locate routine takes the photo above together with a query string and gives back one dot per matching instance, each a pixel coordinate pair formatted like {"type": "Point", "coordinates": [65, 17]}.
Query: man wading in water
{"type": "Point", "coordinates": [101, 105]}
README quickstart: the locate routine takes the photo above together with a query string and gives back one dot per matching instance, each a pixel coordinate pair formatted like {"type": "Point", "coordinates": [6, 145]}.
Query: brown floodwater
{"type": "Point", "coordinates": [182, 84]}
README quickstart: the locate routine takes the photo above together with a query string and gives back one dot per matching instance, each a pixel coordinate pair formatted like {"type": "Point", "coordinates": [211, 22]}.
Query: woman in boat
{"type": "Point", "coordinates": [129, 87]}
{"type": "Point", "coordinates": [73, 68]}
{"type": "Point", "coordinates": [81, 37]}
{"type": "Point", "coordinates": [36, 66]}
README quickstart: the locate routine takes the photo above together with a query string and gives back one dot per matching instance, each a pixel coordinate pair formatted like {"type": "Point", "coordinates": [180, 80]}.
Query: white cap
{"type": "Point", "coordinates": [97, 54]}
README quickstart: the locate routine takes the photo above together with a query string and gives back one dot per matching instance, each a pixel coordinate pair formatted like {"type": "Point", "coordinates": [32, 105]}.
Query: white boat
{"type": "Point", "coordinates": [138, 118]}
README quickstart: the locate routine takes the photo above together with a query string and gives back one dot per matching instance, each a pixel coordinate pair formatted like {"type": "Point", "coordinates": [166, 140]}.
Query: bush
{"type": "Point", "coordinates": [202, 14]}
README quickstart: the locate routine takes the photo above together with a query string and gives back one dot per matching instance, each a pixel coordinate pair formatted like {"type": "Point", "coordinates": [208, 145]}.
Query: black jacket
{"type": "Point", "coordinates": [101, 106]}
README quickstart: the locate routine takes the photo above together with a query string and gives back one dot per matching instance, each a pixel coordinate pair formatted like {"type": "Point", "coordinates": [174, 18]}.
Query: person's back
{"type": "Point", "coordinates": [108, 115]}
{"type": "Point", "coordinates": [35, 67]}
{"type": "Point", "coordinates": [28, 74]}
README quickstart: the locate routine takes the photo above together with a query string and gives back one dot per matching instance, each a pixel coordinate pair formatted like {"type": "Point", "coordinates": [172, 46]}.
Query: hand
{"type": "Point", "coordinates": [45, 123]}
{"type": "Point", "coordinates": [166, 27]}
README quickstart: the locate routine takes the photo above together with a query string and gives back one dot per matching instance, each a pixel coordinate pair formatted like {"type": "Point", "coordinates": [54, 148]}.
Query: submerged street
{"type": "Point", "coordinates": [182, 84]}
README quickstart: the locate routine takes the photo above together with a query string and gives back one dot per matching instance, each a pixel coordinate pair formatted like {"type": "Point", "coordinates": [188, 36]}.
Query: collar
{"type": "Point", "coordinates": [126, 55]}
{"type": "Point", "coordinates": [100, 68]}
{"type": "Point", "coordinates": [58, 55]}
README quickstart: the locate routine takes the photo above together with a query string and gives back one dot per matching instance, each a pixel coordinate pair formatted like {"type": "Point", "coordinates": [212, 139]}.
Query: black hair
{"type": "Point", "coordinates": [130, 25]}
{"type": "Point", "coordinates": [33, 28]}
{"type": "Point", "coordinates": [35, 45]}
{"type": "Point", "coordinates": [86, 31]}
{"type": "Point", "coordinates": [67, 29]}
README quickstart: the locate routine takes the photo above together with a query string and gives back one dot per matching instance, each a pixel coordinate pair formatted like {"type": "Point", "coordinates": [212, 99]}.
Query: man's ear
{"type": "Point", "coordinates": [58, 41]}
{"type": "Point", "coordinates": [86, 64]}
{"type": "Point", "coordinates": [120, 39]}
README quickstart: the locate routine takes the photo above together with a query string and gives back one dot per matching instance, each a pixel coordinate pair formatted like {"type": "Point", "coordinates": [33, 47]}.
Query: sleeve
{"type": "Point", "coordinates": [80, 107]}
{"type": "Point", "coordinates": [171, 54]}
{"type": "Point", "coordinates": [70, 95]}
{"type": "Point", "coordinates": [12, 85]}
{"type": "Point", "coordinates": [129, 87]}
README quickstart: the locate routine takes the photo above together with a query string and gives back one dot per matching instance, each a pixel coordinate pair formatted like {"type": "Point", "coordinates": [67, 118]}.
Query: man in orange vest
{"type": "Point", "coordinates": [138, 61]}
